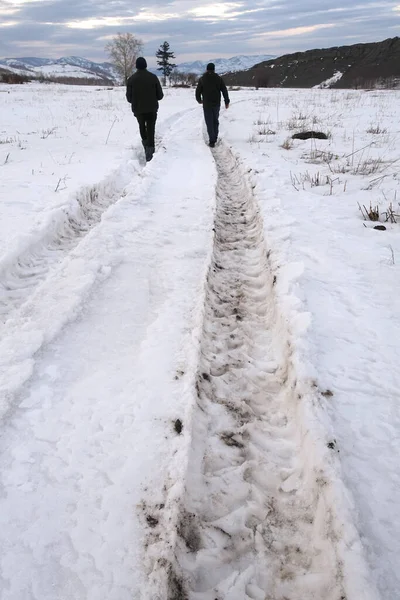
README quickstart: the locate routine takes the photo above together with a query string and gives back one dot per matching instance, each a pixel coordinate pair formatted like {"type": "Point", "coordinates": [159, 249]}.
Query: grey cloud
{"type": "Point", "coordinates": [247, 33]}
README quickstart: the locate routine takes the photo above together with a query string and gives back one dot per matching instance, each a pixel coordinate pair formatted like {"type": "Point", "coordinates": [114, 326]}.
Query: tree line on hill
{"type": "Point", "coordinates": [15, 78]}
{"type": "Point", "coordinates": [359, 66]}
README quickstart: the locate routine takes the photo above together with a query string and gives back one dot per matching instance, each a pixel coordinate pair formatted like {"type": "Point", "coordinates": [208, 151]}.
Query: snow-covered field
{"type": "Point", "coordinates": [199, 385]}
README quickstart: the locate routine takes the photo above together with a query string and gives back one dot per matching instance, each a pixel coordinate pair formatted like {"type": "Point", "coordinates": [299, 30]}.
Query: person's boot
{"type": "Point", "coordinates": [149, 153]}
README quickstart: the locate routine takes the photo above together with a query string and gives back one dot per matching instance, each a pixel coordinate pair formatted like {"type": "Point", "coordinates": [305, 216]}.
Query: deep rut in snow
{"type": "Point", "coordinates": [254, 521]}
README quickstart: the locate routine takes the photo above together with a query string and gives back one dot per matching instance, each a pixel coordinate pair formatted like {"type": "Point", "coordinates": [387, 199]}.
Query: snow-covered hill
{"type": "Point", "coordinates": [67, 66]}
{"type": "Point", "coordinates": [224, 65]}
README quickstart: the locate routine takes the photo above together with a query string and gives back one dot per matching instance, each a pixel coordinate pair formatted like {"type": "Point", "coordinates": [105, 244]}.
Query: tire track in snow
{"type": "Point", "coordinates": [23, 270]}
{"type": "Point", "coordinates": [256, 520]}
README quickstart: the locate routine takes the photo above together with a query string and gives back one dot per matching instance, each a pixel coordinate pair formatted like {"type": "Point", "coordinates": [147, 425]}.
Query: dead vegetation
{"type": "Point", "coordinates": [314, 180]}
{"type": "Point", "coordinates": [376, 129]}
{"type": "Point", "coordinates": [373, 213]}
{"type": "Point", "coordinates": [287, 144]}
{"type": "Point", "coordinates": [263, 130]}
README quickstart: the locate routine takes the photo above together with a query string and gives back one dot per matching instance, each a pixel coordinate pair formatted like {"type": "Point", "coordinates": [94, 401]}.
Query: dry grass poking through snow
{"type": "Point", "coordinates": [349, 159]}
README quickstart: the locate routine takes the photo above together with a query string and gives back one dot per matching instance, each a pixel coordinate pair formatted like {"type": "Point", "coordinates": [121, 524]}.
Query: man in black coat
{"type": "Point", "coordinates": [208, 93]}
{"type": "Point", "coordinates": [143, 91]}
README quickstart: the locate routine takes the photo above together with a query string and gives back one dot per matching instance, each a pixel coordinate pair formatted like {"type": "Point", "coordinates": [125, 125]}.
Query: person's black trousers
{"type": "Point", "coordinates": [211, 116]}
{"type": "Point", "coordinates": [147, 126]}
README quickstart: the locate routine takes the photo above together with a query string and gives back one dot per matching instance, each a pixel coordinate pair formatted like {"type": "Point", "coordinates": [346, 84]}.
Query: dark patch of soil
{"type": "Point", "coordinates": [332, 445]}
{"type": "Point", "coordinates": [229, 439]}
{"type": "Point", "coordinates": [178, 426]}
{"type": "Point", "coordinates": [176, 588]}
{"type": "Point", "coordinates": [188, 531]}
{"type": "Point", "coordinates": [151, 521]}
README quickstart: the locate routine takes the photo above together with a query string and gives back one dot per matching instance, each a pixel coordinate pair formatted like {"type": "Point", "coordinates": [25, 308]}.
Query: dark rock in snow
{"type": "Point", "coordinates": [306, 135]}
{"type": "Point", "coordinates": [178, 426]}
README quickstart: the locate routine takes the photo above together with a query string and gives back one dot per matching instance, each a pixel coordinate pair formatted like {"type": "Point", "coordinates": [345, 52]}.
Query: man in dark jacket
{"type": "Point", "coordinates": [208, 93]}
{"type": "Point", "coordinates": [143, 91]}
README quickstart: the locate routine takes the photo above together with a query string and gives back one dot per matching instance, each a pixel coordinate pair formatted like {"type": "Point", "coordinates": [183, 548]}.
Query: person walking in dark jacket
{"type": "Point", "coordinates": [143, 91]}
{"type": "Point", "coordinates": [208, 93]}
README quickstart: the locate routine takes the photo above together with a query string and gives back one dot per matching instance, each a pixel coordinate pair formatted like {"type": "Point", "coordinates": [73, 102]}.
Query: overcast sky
{"type": "Point", "coordinates": [195, 30]}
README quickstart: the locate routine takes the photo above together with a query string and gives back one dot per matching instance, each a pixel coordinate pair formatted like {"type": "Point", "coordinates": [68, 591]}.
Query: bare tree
{"type": "Point", "coordinates": [192, 78]}
{"type": "Point", "coordinates": [123, 51]}
{"type": "Point", "coordinates": [176, 77]}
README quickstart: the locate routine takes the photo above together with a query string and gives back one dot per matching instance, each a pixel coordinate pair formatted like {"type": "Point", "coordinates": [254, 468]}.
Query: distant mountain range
{"type": "Point", "coordinates": [75, 67]}
{"type": "Point", "coordinates": [224, 65]}
{"type": "Point", "coordinates": [359, 65]}
{"type": "Point", "coordinates": [67, 67]}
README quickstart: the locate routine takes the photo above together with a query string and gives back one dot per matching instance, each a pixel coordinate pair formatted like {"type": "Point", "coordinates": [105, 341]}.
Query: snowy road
{"type": "Point", "coordinates": [171, 334]}
{"type": "Point", "coordinates": [96, 417]}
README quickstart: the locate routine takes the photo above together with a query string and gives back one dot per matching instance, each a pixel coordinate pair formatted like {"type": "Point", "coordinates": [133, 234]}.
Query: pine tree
{"type": "Point", "coordinates": [164, 56]}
